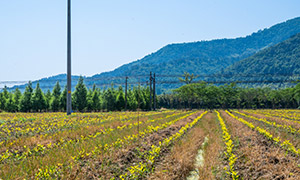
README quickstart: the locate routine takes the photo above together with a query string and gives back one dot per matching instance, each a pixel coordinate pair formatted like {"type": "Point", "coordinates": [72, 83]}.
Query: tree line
{"type": "Point", "coordinates": [203, 95]}
{"type": "Point", "coordinates": [83, 99]}
{"type": "Point", "coordinates": [191, 95]}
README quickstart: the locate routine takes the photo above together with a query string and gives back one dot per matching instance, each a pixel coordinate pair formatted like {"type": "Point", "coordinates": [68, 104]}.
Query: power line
{"type": "Point", "coordinates": [158, 81]}
{"type": "Point", "coordinates": [157, 76]}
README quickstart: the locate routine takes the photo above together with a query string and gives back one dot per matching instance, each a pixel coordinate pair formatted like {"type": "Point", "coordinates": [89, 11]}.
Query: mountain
{"type": "Point", "coordinates": [202, 57]}
{"type": "Point", "coordinates": [280, 59]}
{"type": "Point", "coordinates": [207, 57]}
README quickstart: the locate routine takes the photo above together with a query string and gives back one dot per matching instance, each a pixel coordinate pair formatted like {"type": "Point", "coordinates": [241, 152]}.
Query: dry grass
{"type": "Point", "coordinates": [117, 161]}
{"type": "Point", "coordinates": [275, 119]}
{"type": "Point", "coordinates": [29, 166]}
{"type": "Point", "coordinates": [276, 132]}
{"type": "Point", "coordinates": [179, 162]}
{"type": "Point", "coordinates": [259, 158]}
{"type": "Point", "coordinates": [213, 151]}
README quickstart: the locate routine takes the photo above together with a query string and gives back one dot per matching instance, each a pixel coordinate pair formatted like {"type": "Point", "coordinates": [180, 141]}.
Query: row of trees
{"type": "Point", "coordinates": [192, 95]}
{"type": "Point", "coordinates": [203, 95]}
{"type": "Point", "coordinates": [83, 99]}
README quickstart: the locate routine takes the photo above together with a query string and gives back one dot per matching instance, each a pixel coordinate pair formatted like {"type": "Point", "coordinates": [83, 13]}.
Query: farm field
{"type": "Point", "coordinates": [169, 144]}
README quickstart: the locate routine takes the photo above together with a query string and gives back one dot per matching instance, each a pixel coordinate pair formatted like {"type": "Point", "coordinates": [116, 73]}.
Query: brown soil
{"type": "Point", "coordinates": [259, 158]}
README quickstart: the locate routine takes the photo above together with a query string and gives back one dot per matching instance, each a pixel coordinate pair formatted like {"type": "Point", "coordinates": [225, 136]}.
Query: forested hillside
{"type": "Point", "coordinates": [207, 57]}
{"type": "Point", "coordinates": [283, 58]}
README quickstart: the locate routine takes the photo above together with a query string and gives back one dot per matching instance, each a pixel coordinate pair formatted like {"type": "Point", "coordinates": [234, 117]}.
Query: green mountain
{"type": "Point", "coordinates": [282, 58]}
{"type": "Point", "coordinates": [202, 57]}
{"type": "Point", "coordinates": [207, 57]}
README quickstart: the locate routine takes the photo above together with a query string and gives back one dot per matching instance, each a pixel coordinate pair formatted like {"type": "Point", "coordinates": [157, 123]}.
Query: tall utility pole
{"type": "Point", "coordinates": [69, 99]}
{"type": "Point", "coordinates": [150, 79]}
{"type": "Point", "coordinates": [126, 93]}
{"type": "Point", "coordinates": [154, 98]}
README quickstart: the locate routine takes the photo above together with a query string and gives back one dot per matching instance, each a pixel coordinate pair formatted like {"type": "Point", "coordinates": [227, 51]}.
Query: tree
{"type": "Point", "coordinates": [297, 94]}
{"type": "Point", "coordinates": [132, 101]}
{"type": "Point", "coordinates": [26, 104]}
{"type": "Point", "coordinates": [89, 100]}
{"type": "Point", "coordinates": [55, 100]}
{"type": "Point", "coordinates": [109, 98]}
{"type": "Point", "coordinates": [17, 98]}
{"type": "Point", "coordinates": [188, 78]}
{"type": "Point", "coordinates": [80, 95]}
{"type": "Point", "coordinates": [5, 92]}
{"type": "Point", "coordinates": [120, 99]}
{"type": "Point", "coordinates": [38, 99]}
{"type": "Point", "coordinates": [48, 97]}
{"type": "Point", "coordinates": [2, 102]}
{"type": "Point", "coordinates": [10, 105]}
{"type": "Point", "coordinates": [95, 100]}
{"type": "Point", "coordinates": [63, 99]}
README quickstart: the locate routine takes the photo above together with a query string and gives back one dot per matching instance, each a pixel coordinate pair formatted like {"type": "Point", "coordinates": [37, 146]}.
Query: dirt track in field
{"type": "Point", "coordinates": [180, 161]}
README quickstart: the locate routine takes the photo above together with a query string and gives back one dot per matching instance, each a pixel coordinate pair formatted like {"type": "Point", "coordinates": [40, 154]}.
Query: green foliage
{"type": "Point", "coordinates": [120, 100]}
{"type": "Point", "coordinates": [38, 100]}
{"type": "Point", "coordinates": [26, 103]}
{"type": "Point", "coordinates": [187, 78]}
{"type": "Point", "coordinates": [96, 104]}
{"type": "Point", "coordinates": [63, 99]}
{"type": "Point", "coordinates": [2, 101]}
{"type": "Point", "coordinates": [11, 105]}
{"type": "Point", "coordinates": [80, 95]}
{"type": "Point", "coordinates": [204, 95]}
{"type": "Point", "coordinates": [55, 100]}
{"type": "Point", "coordinates": [194, 95]}
{"type": "Point", "coordinates": [5, 92]}
{"type": "Point", "coordinates": [48, 97]}
{"type": "Point", "coordinates": [282, 58]}
{"type": "Point", "coordinates": [17, 98]}
{"type": "Point", "coordinates": [132, 101]}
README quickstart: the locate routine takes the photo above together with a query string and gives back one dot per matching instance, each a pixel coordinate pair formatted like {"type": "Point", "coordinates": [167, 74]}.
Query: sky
{"type": "Point", "coordinates": [109, 33]}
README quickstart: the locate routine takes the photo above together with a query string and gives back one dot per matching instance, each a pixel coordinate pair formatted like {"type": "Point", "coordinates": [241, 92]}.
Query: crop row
{"type": "Point", "coordinates": [288, 128]}
{"type": "Point", "coordinates": [51, 171]}
{"type": "Point", "coordinates": [59, 123]}
{"type": "Point", "coordinates": [40, 149]}
{"type": "Point", "coordinates": [45, 126]}
{"type": "Point", "coordinates": [290, 114]}
{"type": "Point", "coordinates": [139, 171]}
{"type": "Point", "coordinates": [229, 148]}
{"type": "Point", "coordinates": [285, 144]}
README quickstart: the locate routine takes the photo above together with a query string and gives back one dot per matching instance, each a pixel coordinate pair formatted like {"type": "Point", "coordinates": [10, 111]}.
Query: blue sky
{"type": "Point", "coordinates": [107, 34]}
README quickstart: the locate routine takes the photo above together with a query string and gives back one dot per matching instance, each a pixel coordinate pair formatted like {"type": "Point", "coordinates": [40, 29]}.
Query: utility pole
{"type": "Point", "coordinates": [69, 99]}
{"type": "Point", "coordinates": [150, 79]}
{"type": "Point", "coordinates": [126, 93]}
{"type": "Point", "coordinates": [154, 96]}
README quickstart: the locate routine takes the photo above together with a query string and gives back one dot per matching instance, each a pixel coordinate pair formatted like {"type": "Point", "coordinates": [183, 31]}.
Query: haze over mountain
{"type": "Point", "coordinates": [202, 57]}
